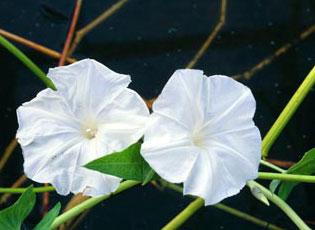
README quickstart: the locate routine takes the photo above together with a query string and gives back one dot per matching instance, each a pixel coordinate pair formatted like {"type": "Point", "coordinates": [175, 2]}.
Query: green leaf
{"type": "Point", "coordinates": [306, 166]}
{"type": "Point", "coordinates": [274, 185]}
{"type": "Point", "coordinates": [49, 218]}
{"type": "Point", "coordinates": [127, 164]}
{"type": "Point", "coordinates": [12, 217]}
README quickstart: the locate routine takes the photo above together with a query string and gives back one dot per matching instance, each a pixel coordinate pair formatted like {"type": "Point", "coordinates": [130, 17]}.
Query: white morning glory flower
{"type": "Point", "coordinates": [92, 114]}
{"type": "Point", "coordinates": [201, 133]}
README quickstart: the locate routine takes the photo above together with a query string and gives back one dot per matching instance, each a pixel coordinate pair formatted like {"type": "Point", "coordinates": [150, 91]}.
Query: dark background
{"type": "Point", "coordinates": [149, 40]}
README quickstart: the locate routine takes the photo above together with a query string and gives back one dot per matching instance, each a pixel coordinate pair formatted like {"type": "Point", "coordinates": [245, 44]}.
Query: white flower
{"type": "Point", "coordinates": [92, 114]}
{"type": "Point", "coordinates": [202, 133]}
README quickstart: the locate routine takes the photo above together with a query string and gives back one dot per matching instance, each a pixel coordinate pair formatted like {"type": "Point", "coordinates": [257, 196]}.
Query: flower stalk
{"type": "Point", "coordinates": [272, 166]}
{"type": "Point", "coordinates": [224, 208]}
{"type": "Point", "coordinates": [27, 62]}
{"type": "Point", "coordinates": [185, 214]}
{"type": "Point", "coordinates": [21, 190]}
{"type": "Point", "coordinates": [89, 204]}
{"type": "Point", "coordinates": [281, 204]}
{"type": "Point", "coordinates": [288, 112]}
{"type": "Point", "coordinates": [286, 177]}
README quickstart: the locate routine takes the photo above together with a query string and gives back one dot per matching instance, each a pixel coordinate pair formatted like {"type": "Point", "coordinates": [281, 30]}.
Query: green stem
{"type": "Point", "coordinates": [286, 177]}
{"type": "Point", "coordinates": [185, 214]}
{"type": "Point", "coordinates": [281, 204]}
{"type": "Point", "coordinates": [247, 217]}
{"type": "Point", "coordinates": [27, 62]}
{"type": "Point", "coordinates": [272, 166]}
{"type": "Point", "coordinates": [232, 211]}
{"type": "Point", "coordinates": [288, 112]}
{"type": "Point", "coordinates": [21, 190]}
{"type": "Point", "coordinates": [89, 204]}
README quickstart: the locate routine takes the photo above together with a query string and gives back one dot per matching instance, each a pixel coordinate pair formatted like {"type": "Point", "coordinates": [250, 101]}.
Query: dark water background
{"type": "Point", "coordinates": [149, 40]}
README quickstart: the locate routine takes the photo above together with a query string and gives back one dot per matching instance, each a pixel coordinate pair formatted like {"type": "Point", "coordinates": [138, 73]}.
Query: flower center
{"type": "Point", "coordinates": [89, 129]}
{"type": "Point", "coordinates": [198, 139]}
{"type": "Point", "coordinates": [90, 133]}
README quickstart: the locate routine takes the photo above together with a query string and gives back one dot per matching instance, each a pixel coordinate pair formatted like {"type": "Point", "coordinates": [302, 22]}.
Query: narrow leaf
{"type": "Point", "coordinates": [306, 166]}
{"type": "Point", "coordinates": [127, 164]}
{"type": "Point", "coordinates": [49, 218]}
{"type": "Point", "coordinates": [13, 216]}
{"type": "Point", "coordinates": [274, 185]}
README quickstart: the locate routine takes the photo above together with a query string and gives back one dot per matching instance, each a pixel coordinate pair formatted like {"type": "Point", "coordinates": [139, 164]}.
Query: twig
{"type": "Point", "coordinates": [20, 181]}
{"type": "Point", "coordinates": [204, 46]}
{"type": "Point", "coordinates": [74, 20]}
{"type": "Point", "coordinates": [247, 75]}
{"type": "Point", "coordinates": [211, 37]}
{"type": "Point", "coordinates": [7, 153]}
{"type": "Point", "coordinates": [100, 19]}
{"type": "Point", "coordinates": [40, 48]}
{"type": "Point", "coordinates": [281, 163]}
{"type": "Point", "coordinates": [73, 24]}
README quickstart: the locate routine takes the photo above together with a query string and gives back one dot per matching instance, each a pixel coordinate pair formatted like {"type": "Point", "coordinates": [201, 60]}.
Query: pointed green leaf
{"type": "Point", "coordinates": [49, 218]}
{"type": "Point", "coordinates": [306, 166]}
{"type": "Point", "coordinates": [127, 164]}
{"type": "Point", "coordinates": [274, 185]}
{"type": "Point", "coordinates": [151, 175]}
{"type": "Point", "coordinates": [13, 216]}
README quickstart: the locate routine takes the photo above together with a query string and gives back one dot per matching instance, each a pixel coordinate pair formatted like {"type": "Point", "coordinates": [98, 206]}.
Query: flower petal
{"type": "Point", "coordinates": [89, 182]}
{"type": "Point", "coordinates": [209, 180]}
{"type": "Point", "coordinates": [88, 84]}
{"type": "Point", "coordinates": [182, 96]}
{"type": "Point", "coordinates": [168, 149]}
{"type": "Point", "coordinates": [123, 121]}
{"type": "Point", "coordinates": [39, 118]}
{"type": "Point", "coordinates": [216, 115]}
{"type": "Point", "coordinates": [231, 106]}
{"type": "Point", "coordinates": [60, 131]}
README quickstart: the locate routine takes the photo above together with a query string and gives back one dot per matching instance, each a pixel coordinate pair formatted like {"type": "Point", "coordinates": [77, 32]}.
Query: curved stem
{"type": "Point", "coordinates": [89, 204]}
{"type": "Point", "coordinates": [185, 214]}
{"type": "Point", "coordinates": [27, 62]}
{"type": "Point", "coordinates": [21, 190]}
{"type": "Point", "coordinates": [281, 204]}
{"type": "Point", "coordinates": [272, 166]}
{"type": "Point", "coordinates": [247, 217]}
{"type": "Point", "coordinates": [38, 47]}
{"type": "Point", "coordinates": [286, 177]}
{"type": "Point", "coordinates": [232, 211]}
{"type": "Point", "coordinates": [288, 112]}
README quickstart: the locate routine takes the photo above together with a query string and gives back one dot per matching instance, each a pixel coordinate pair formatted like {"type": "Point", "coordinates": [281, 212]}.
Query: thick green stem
{"type": "Point", "coordinates": [288, 112]}
{"type": "Point", "coordinates": [27, 62]}
{"type": "Point", "coordinates": [286, 177]}
{"type": "Point", "coordinates": [281, 204]}
{"type": "Point", "coordinates": [230, 210]}
{"type": "Point", "coordinates": [272, 166]}
{"type": "Point", "coordinates": [185, 214]}
{"type": "Point", "coordinates": [21, 190]}
{"type": "Point", "coordinates": [89, 204]}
